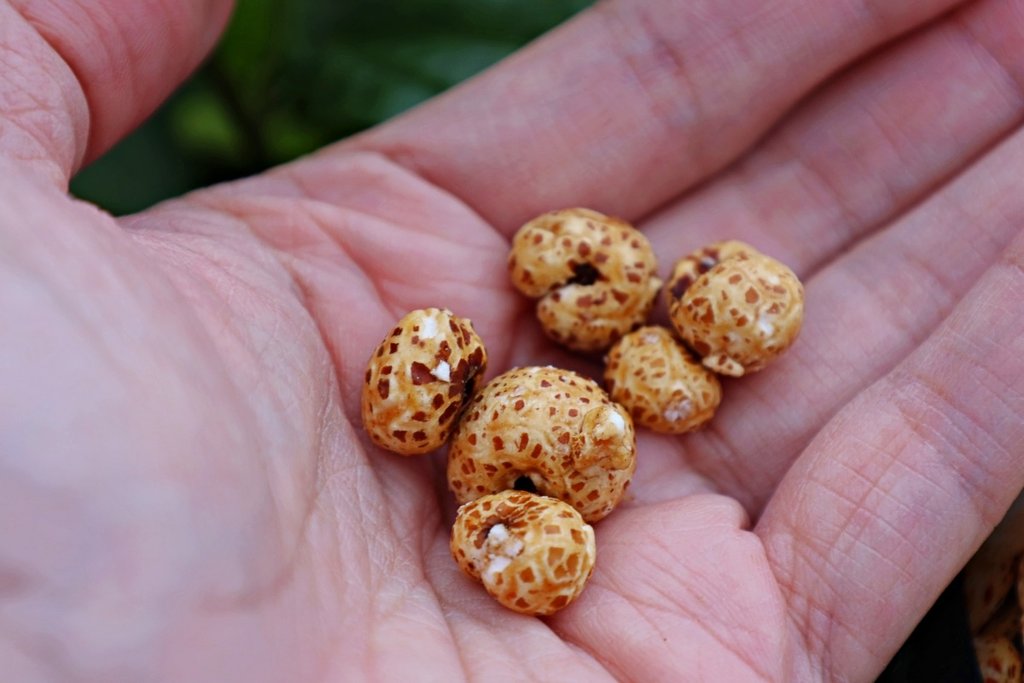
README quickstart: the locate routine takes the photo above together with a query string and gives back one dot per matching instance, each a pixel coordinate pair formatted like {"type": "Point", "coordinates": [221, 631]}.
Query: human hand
{"type": "Point", "coordinates": [186, 494]}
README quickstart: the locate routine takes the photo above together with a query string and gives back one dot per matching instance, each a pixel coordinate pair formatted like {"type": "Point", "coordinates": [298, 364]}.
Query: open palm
{"type": "Point", "coordinates": [185, 493]}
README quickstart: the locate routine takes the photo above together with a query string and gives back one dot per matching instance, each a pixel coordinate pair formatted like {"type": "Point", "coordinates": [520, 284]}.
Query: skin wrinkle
{"type": "Point", "coordinates": [452, 634]}
{"type": "Point", "coordinates": [80, 101]}
{"type": "Point", "coordinates": [515, 646]}
{"type": "Point", "coordinates": [281, 579]}
{"type": "Point", "coordinates": [332, 230]}
{"type": "Point", "coordinates": [302, 544]}
{"type": "Point", "coordinates": [49, 153]}
{"type": "Point", "coordinates": [328, 226]}
{"type": "Point", "coordinates": [240, 340]}
{"type": "Point", "coordinates": [850, 535]}
{"type": "Point", "coordinates": [406, 158]}
{"type": "Point", "coordinates": [112, 65]}
{"type": "Point", "coordinates": [1015, 81]}
{"type": "Point", "coordinates": [659, 60]}
{"type": "Point", "coordinates": [790, 579]}
{"type": "Point", "coordinates": [888, 135]}
{"type": "Point", "coordinates": [972, 492]}
{"type": "Point", "coordinates": [816, 182]}
{"type": "Point", "coordinates": [581, 653]}
{"type": "Point", "coordinates": [822, 373]}
{"type": "Point", "coordinates": [812, 617]}
{"type": "Point", "coordinates": [610, 665]}
{"type": "Point", "coordinates": [375, 571]}
{"type": "Point", "coordinates": [432, 608]}
{"type": "Point", "coordinates": [940, 283]}
{"type": "Point", "coordinates": [306, 297]}
{"type": "Point", "coordinates": [855, 540]}
{"type": "Point", "coordinates": [333, 510]}
{"type": "Point", "coordinates": [706, 602]}
{"type": "Point", "coordinates": [726, 453]}
{"type": "Point", "coordinates": [677, 610]}
{"type": "Point", "coordinates": [402, 175]}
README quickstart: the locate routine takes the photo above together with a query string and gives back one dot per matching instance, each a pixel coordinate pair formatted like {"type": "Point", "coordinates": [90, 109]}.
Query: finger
{"type": "Point", "coordinates": [864, 314]}
{"type": "Point", "coordinates": [907, 99]}
{"type": "Point", "coordinates": [658, 605]}
{"type": "Point", "coordinates": [628, 104]}
{"type": "Point", "coordinates": [895, 494]}
{"type": "Point", "coordinates": [79, 75]}
{"type": "Point", "coordinates": [868, 146]}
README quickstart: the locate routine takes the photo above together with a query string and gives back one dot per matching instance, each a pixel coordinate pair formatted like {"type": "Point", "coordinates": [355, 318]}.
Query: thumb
{"type": "Point", "coordinates": [80, 74]}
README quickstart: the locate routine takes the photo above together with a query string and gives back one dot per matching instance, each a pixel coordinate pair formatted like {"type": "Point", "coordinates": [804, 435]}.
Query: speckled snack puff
{"type": "Point", "coordinates": [739, 314]}
{"type": "Point", "coordinates": [664, 388]}
{"type": "Point", "coordinates": [547, 429]}
{"type": "Point", "coordinates": [532, 553]}
{"type": "Point", "coordinates": [687, 269]}
{"type": "Point", "coordinates": [998, 659]}
{"type": "Point", "coordinates": [419, 379]}
{"type": "Point", "coordinates": [595, 276]}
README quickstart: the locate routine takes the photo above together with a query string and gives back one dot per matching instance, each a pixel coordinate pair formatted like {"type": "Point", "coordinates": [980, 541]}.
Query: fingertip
{"type": "Point", "coordinates": [127, 55]}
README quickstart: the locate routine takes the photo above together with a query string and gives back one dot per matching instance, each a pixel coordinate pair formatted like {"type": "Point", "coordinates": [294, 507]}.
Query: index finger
{"type": "Point", "coordinates": [631, 102]}
{"type": "Point", "coordinates": [894, 495]}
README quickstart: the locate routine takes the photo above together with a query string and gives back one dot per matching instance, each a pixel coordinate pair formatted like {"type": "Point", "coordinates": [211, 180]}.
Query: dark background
{"type": "Point", "coordinates": [293, 75]}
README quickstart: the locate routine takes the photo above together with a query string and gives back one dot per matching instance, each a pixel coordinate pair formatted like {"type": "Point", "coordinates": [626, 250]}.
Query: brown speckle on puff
{"type": "Point", "coordinates": [594, 276]}
{"type": "Point", "coordinates": [568, 441]}
{"type": "Point", "coordinates": [414, 390]}
{"type": "Point", "coordinates": [687, 269]}
{"type": "Point", "coordinates": [741, 312]}
{"type": "Point", "coordinates": [664, 388]}
{"type": "Point", "coordinates": [532, 553]}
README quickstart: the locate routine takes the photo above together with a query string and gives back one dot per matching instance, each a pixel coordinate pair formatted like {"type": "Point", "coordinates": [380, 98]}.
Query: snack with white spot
{"type": "Point", "coordinates": [546, 430]}
{"type": "Point", "coordinates": [741, 312]}
{"type": "Point", "coordinates": [595, 276]}
{"type": "Point", "coordinates": [532, 553]}
{"type": "Point", "coordinates": [664, 388]}
{"type": "Point", "coordinates": [419, 380]}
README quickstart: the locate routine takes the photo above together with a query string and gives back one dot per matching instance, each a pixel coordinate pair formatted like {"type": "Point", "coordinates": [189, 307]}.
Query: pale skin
{"type": "Point", "coordinates": [185, 493]}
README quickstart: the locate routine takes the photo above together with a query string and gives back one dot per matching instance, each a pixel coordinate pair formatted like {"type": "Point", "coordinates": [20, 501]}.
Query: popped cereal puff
{"type": "Point", "coordinates": [545, 430]}
{"type": "Point", "coordinates": [741, 313]}
{"type": "Point", "coordinates": [419, 379]}
{"type": "Point", "coordinates": [532, 553]}
{"type": "Point", "coordinates": [664, 388]}
{"type": "Point", "coordinates": [595, 276]}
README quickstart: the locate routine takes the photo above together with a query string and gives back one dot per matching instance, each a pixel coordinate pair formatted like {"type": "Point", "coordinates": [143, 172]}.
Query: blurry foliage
{"type": "Point", "coordinates": [293, 75]}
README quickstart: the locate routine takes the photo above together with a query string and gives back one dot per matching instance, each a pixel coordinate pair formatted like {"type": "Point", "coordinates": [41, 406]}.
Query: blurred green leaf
{"type": "Point", "coordinates": [292, 75]}
{"type": "Point", "coordinates": [202, 123]}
